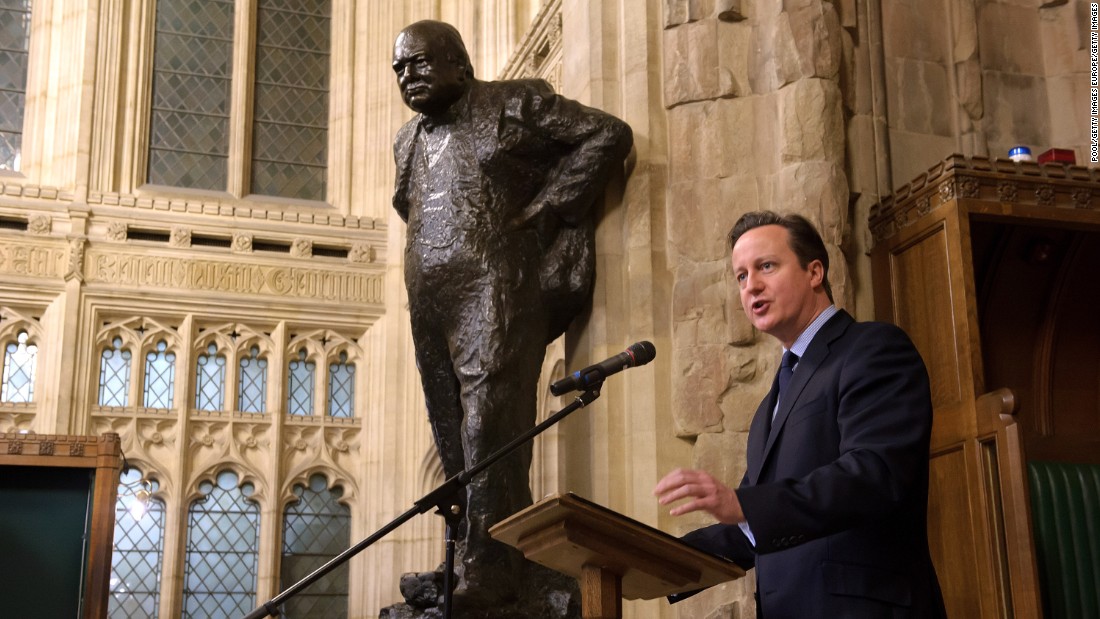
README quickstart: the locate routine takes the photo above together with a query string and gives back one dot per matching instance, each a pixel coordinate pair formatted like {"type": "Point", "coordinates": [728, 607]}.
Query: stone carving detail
{"type": "Point", "coordinates": [233, 277]}
{"type": "Point", "coordinates": [46, 448]}
{"type": "Point", "coordinates": [75, 269]}
{"type": "Point", "coordinates": [15, 447]}
{"type": "Point", "coordinates": [361, 253]}
{"type": "Point", "coordinates": [35, 260]}
{"type": "Point", "coordinates": [242, 243]}
{"type": "Point", "coordinates": [181, 237]}
{"type": "Point", "coordinates": [301, 248]}
{"type": "Point", "coordinates": [116, 231]}
{"type": "Point", "coordinates": [1006, 191]}
{"type": "Point", "coordinates": [76, 449]}
{"type": "Point", "coordinates": [39, 224]}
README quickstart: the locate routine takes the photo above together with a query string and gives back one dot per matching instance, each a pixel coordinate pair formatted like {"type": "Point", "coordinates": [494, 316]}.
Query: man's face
{"type": "Point", "coordinates": [777, 294]}
{"type": "Point", "coordinates": [429, 80]}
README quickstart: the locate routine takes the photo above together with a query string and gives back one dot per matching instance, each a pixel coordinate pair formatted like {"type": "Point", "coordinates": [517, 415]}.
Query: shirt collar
{"type": "Point", "coordinates": [802, 342]}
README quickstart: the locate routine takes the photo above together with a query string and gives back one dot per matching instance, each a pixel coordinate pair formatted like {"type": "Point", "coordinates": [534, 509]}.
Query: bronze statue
{"type": "Point", "coordinates": [497, 181]}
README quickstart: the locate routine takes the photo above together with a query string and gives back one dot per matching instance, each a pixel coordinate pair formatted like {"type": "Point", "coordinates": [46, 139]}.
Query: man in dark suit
{"type": "Point", "coordinates": [496, 181]}
{"type": "Point", "coordinates": [832, 508]}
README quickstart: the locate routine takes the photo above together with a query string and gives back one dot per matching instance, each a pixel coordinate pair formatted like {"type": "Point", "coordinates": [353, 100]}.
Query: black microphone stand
{"type": "Point", "coordinates": [448, 500]}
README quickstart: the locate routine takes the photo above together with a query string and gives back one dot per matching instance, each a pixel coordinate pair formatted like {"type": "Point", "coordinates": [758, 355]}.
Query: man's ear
{"type": "Point", "coordinates": [817, 273]}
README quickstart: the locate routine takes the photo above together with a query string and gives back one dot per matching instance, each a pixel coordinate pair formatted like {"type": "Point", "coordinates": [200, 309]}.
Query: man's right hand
{"type": "Point", "coordinates": [705, 493]}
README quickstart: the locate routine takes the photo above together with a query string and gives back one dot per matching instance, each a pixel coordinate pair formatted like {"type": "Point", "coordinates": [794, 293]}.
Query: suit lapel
{"type": "Point", "coordinates": [762, 435]}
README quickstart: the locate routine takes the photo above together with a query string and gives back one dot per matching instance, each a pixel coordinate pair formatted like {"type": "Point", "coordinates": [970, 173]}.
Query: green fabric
{"type": "Point", "coordinates": [1065, 511]}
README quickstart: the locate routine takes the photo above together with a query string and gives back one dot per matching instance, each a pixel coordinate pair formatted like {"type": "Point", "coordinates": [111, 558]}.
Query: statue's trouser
{"type": "Point", "coordinates": [479, 348]}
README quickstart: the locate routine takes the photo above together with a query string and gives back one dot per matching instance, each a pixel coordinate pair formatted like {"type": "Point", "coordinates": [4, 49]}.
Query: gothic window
{"type": "Point", "coordinates": [19, 361]}
{"type": "Point", "coordinates": [316, 528]}
{"type": "Point", "coordinates": [341, 387]}
{"type": "Point", "coordinates": [290, 109]}
{"type": "Point", "coordinates": [252, 390]}
{"type": "Point", "coordinates": [160, 365]}
{"type": "Point", "coordinates": [138, 550]}
{"type": "Point", "coordinates": [193, 109]}
{"type": "Point", "coordinates": [210, 380]}
{"type": "Point", "coordinates": [222, 548]}
{"type": "Point", "coordinates": [114, 375]}
{"type": "Point", "coordinates": [300, 379]}
{"type": "Point", "coordinates": [192, 66]}
{"type": "Point", "coordinates": [15, 34]}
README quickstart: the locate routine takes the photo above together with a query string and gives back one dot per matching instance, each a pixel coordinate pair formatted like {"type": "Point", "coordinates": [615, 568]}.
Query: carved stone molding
{"type": "Point", "coordinates": [301, 248]}
{"type": "Point", "coordinates": [361, 253]}
{"type": "Point", "coordinates": [134, 269]}
{"type": "Point", "coordinates": [539, 53]}
{"type": "Point", "coordinates": [116, 231]}
{"type": "Point", "coordinates": [39, 224]}
{"type": "Point", "coordinates": [75, 270]}
{"type": "Point", "coordinates": [242, 243]}
{"type": "Point", "coordinates": [181, 237]}
{"type": "Point", "coordinates": [234, 211]}
{"type": "Point", "coordinates": [46, 261]}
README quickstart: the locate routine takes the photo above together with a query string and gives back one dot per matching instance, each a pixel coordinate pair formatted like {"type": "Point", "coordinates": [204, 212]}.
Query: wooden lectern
{"type": "Point", "coordinates": [612, 556]}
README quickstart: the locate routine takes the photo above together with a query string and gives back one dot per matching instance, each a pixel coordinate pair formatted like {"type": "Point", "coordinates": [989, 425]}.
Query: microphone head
{"type": "Point", "coordinates": [643, 352]}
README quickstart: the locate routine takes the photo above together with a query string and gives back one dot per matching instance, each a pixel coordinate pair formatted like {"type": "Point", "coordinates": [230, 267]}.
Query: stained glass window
{"type": "Point", "coordinates": [15, 34]}
{"type": "Point", "coordinates": [300, 385]}
{"type": "Point", "coordinates": [210, 380]}
{"type": "Point", "coordinates": [138, 551]}
{"type": "Point", "coordinates": [192, 66]}
{"type": "Point", "coordinates": [341, 387]}
{"type": "Point", "coordinates": [160, 367]}
{"type": "Point", "coordinates": [252, 388]}
{"type": "Point", "coordinates": [290, 112]}
{"type": "Point", "coordinates": [19, 361]}
{"type": "Point", "coordinates": [114, 375]}
{"type": "Point", "coordinates": [222, 546]}
{"type": "Point", "coordinates": [316, 528]}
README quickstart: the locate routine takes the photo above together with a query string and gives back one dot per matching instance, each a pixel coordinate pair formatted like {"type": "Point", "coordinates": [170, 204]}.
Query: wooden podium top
{"type": "Point", "coordinates": [567, 533]}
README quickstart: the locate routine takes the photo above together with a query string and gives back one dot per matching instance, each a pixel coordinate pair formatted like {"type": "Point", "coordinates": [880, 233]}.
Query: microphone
{"type": "Point", "coordinates": [639, 353]}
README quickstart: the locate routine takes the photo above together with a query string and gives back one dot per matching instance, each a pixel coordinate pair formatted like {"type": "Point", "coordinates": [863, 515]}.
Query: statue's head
{"type": "Point", "coordinates": [432, 66]}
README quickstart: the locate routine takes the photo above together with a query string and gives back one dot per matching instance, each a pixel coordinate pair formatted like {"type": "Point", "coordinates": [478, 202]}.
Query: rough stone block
{"type": "Point", "coordinates": [752, 370]}
{"type": "Point", "coordinates": [699, 376]}
{"type": "Point", "coordinates": [697, 296]}
{"type": "Point", "coordinates": [691, 62]}
{"type": "Point", "coordinates": [693, 148]}
{"type": "Point", "coordinates": [815, 31]}
{"type": "Point", "coordinates": [812, 122]}
{"type": "Point", "coordinates": [735, 58]}
{"type": "Point", "coordinates": [919, 97]}
{"type": "Point", "coordinates": [814, 189]}
{"type": "Point", "coordinates": [1070, 95]}
{"type": "Point", "coordinates": [1009, 39]}
{"type": "Point", "coordinates": [1022, 114]}
{"type": "Point", "coordinates": [692, 234]}
{"type": "Point", "coordinates": [1065, 35]}
{"type": "Point", "coordinates": [908, 32]}
{"type": "Point", "coordinates": [722, 454]}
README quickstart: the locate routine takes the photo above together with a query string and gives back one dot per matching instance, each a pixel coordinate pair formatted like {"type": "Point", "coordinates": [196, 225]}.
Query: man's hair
{"type": "Point", "coordinates": [449, 39]}
{"type": "Point", "coordinates": [802, 238]}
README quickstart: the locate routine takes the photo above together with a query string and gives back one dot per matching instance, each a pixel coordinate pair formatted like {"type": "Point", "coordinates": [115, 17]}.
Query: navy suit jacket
{"type": "Point", "coordinates": [836, 490]}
